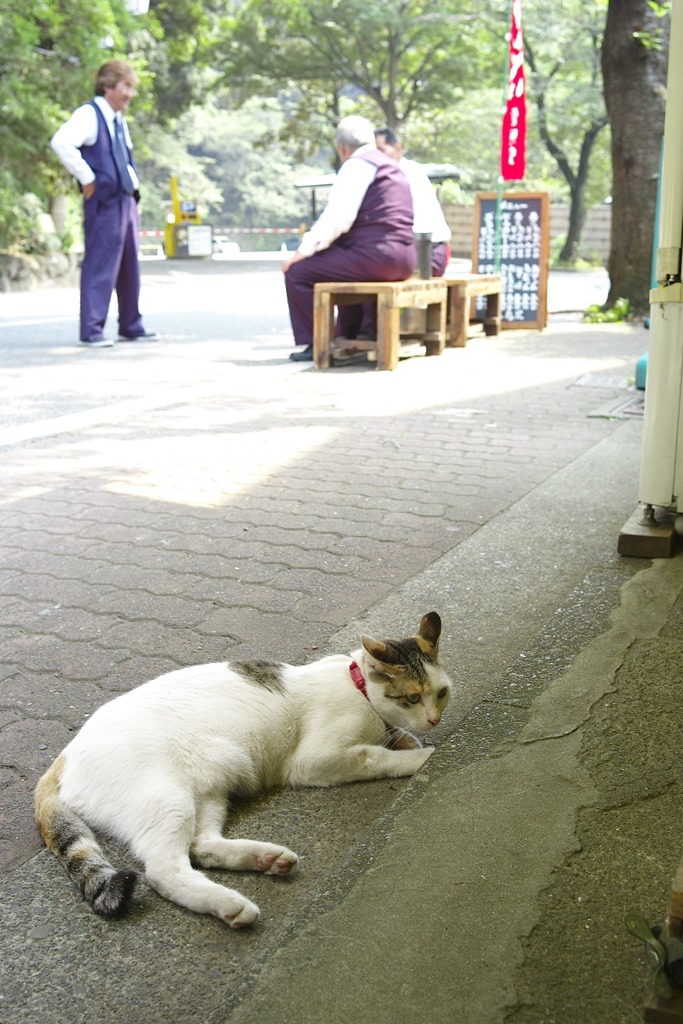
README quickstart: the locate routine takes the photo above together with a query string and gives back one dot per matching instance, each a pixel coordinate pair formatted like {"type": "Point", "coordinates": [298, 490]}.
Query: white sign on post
{"type": "Point", "coordinates": [199, 240]}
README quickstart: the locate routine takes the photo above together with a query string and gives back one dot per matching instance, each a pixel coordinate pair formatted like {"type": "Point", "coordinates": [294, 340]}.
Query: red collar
{"type": "Point", "coordinates": [358, 679]}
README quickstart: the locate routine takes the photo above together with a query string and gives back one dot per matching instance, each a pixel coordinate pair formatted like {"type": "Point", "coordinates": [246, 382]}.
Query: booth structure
{"type": "Point", "coordinates": [651, 532]}
{"type": "Point", "coordinates": [185, 235]}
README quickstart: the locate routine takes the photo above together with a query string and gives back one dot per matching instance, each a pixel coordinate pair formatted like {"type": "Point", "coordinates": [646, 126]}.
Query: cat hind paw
{"type": "Point", "coordinates": [283, 863]}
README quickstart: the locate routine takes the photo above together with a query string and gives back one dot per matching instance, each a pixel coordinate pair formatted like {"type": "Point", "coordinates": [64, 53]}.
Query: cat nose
{"type": "Point", "coordinates": [434, 721]}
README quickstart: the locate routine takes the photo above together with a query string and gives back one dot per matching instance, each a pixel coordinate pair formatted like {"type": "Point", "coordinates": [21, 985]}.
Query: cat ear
{"type": "Point", "coordinates": [377, 652]}
{"type": "Point", "coordinates": [428, 634]}
{"type": "Point", "coordinates": [375, 648]}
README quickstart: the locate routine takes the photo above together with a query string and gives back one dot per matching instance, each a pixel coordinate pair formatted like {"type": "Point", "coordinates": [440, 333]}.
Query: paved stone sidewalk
{"type": "Point", "coordinates": [259, 512]}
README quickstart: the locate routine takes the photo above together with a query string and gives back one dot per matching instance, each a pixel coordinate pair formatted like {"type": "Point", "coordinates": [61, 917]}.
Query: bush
{"type": "Point", "coordinates": [24, 226]}
{"type": "Point", "coordinates": [451, 193]}
{"type": "Point", "coordinates": [614, 315]}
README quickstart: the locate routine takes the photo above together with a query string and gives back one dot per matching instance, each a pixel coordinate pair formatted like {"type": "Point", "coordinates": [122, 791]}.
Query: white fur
{"type": "Point", "coordinates": [155, 767]}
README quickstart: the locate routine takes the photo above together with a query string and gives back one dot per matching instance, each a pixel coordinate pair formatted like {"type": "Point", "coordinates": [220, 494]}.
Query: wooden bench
{"type": "Point", "coordinates": [461, 290]}
{"type": "Point", "coordinates": [392, 296]}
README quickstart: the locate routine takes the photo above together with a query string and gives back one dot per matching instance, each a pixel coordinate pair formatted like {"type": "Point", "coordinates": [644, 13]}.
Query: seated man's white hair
{"type": "Point", "coordinates": [354, 131]}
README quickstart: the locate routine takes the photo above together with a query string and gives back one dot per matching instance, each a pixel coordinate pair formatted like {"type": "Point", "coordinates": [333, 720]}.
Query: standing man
{"type": "Point", "coordinates": [428, 215]}
{"type": "Point", "coordinates": [94, 146]}
{"type": "Point", "coordinates": [365, 233]}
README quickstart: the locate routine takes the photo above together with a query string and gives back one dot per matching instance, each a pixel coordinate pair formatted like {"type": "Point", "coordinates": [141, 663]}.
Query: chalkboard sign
{"type": "Point", "coordinates": [524, 238]}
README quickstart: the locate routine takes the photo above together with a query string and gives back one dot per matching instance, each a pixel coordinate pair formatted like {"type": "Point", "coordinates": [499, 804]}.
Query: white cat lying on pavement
{"type": "Point", "coordinates": [155, 767]}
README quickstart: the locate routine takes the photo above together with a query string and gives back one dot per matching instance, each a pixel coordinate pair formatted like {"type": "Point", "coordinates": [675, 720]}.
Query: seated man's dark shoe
{"type": "Point", "coordinates": [344, 358]}
{"type": "Point", "coordinates": [145, 336]}
{"type": "Point", "coordinates": [302, 355]}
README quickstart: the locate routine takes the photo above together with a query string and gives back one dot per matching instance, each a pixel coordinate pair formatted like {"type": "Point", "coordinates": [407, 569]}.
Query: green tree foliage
{"type": "Point", "coordinates": [403, 57]}
{"type": "Point", "coordinates": [174, 44]}
{"type": "Point", "coordinates": [48, 50]}
{"type": "Point", "coordinates": [221, 160]}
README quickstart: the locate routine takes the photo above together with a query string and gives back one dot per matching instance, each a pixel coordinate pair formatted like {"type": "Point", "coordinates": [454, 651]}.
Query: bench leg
{"type": "Point", "coordinates": [492, 317]}
{"type": "Point", "coordinates": [323, 329]}
{"type": "Point", "coordinates": [388, 317]}
{"type": "Point", "coordinates": [435, 328]}
{"type": "Point", "coordinates": [460, 316]}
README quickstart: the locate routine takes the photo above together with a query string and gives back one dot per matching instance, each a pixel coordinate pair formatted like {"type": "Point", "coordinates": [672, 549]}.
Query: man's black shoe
{"type": "Point", "coordinates": [302, 355]}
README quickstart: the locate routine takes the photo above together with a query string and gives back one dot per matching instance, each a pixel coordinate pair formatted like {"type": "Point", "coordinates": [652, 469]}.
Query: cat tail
{"type": "Point", "coordinates": [108, 891]}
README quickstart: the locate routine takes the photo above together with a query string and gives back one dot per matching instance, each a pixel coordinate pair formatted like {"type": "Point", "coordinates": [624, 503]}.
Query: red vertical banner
{"type": "Point", "coordinates": [512, 153]}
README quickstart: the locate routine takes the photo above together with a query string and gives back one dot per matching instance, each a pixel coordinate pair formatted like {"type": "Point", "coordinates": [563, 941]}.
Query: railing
{"type": "Point", "coordinates": [234, 231]}
{"type": "Point", "coordinates": [257, 231]}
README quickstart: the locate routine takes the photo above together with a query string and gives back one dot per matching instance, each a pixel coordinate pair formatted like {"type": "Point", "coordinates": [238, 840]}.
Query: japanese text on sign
{"type": "Point", "coordinates": [523, 247]}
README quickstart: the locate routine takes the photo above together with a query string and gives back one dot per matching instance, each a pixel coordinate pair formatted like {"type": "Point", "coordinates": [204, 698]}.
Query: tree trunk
{"type": "Point", "coordinates": [578, 182]}
{"type": "Point", "coordinates": [577, 219]}
{"type": "Point", "coordinates": [634, 76]}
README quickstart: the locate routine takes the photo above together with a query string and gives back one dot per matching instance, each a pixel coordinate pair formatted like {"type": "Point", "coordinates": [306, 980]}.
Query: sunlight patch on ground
{"type": "Point", "coordinates": [182, 470]}
{"type": "Point", "coordinates": [22, 493]}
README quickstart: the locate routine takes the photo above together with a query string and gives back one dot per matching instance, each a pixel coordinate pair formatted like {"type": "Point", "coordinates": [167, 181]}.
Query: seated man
{"type": "Point", "coordinates": [427, 213]}
{"type": "Point", "coordinates": [365, 233]}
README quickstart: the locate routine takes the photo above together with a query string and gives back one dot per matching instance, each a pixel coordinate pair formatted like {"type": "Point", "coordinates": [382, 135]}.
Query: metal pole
{"type": "Point", "coordinates": [499, 197]}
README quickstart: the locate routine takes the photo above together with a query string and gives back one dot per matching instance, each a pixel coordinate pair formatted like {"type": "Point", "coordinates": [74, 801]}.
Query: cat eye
{"type": "Point", "coordinates": [413, 698]}
{"type": "Point", "coordinates": [442, 693]}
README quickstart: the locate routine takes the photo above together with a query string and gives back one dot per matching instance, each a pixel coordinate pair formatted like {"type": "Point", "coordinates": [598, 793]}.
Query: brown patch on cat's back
{"type": "Point", "coordinates": [261, 673]}
{"type": "Point", "coordinates": [47, 800]}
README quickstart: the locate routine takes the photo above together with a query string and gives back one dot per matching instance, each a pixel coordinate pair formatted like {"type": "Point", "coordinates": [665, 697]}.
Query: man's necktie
{"type": "Point", "coordinates": [121, 157]}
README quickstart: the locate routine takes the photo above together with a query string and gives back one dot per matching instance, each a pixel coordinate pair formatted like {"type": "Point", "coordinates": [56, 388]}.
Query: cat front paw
{"type": "Point", "coordinates": [283, 862]}
{"type": "Point", "coordinates": [401, 739]}
{"type": "Point", "coordinates": [413, 760]}
{"type": "Point", "coordinates": [241, 913]}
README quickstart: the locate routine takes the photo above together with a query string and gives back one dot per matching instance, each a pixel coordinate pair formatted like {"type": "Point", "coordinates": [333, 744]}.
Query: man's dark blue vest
{"type": "Point", "coordinates": [100, 157]}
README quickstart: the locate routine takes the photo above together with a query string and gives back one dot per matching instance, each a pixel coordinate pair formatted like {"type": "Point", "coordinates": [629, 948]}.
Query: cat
{"type": "Point", "coordinates": [155, 767]}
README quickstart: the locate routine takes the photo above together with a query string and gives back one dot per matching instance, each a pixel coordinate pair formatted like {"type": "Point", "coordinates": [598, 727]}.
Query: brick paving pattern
{"type": "Point", "coordinates": [259, 517]}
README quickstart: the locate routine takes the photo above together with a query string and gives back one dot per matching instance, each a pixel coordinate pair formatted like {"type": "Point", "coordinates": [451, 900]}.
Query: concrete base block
{"type": "Point", "coordinates": [639, 539]}
{"type": "Point", "coordinates": [664, 1011]}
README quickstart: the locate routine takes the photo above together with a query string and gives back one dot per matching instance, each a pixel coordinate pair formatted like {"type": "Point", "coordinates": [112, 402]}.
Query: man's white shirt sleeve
{"type": "Point", "coordinates": [346, 195]}
{"type": "Point", "coordinates": [79, 130]}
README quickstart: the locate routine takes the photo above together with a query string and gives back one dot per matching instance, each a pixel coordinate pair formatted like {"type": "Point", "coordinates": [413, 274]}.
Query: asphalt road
{"type": "Point", "coordinates": [217, 306]}
{"type": "Point", "coordinates": [221, 311]}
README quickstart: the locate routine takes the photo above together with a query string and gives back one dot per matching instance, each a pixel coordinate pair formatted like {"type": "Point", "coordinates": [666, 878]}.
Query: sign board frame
{"type": "Point", "coordinates": [524, 260]}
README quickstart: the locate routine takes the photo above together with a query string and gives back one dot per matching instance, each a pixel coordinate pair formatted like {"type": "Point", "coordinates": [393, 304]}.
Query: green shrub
{"type": "Point", "coordinates": [24, 226]}
{"type": "Point", "coordinates": [614, 315]}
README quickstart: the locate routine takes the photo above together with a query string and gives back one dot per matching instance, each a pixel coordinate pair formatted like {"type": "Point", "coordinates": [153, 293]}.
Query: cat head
{"type": "Point", "coordinates": [406, 685]}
